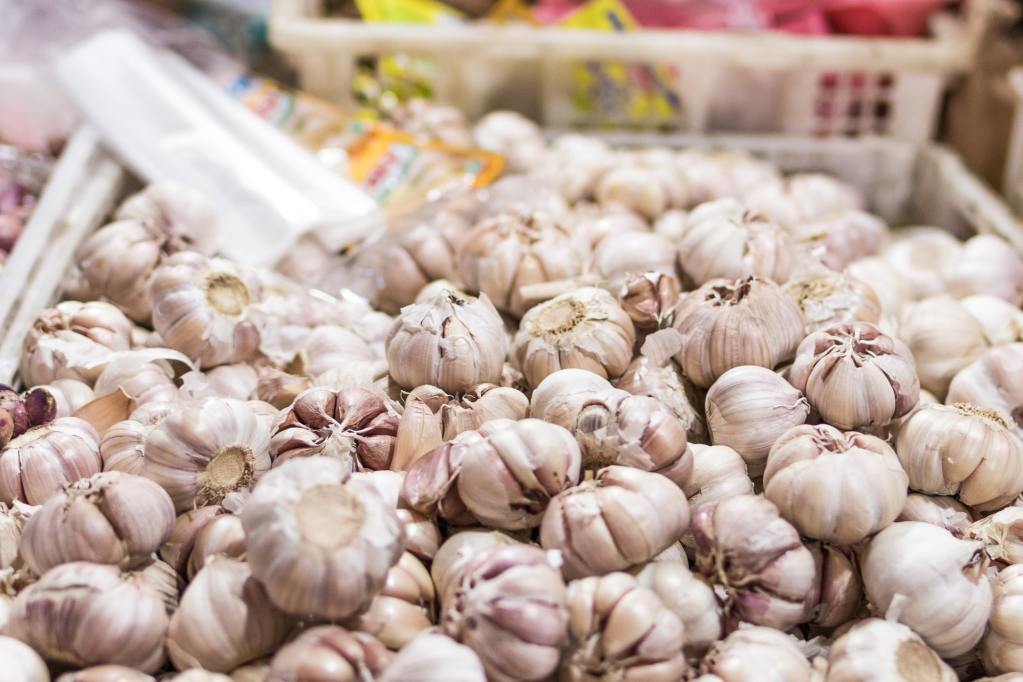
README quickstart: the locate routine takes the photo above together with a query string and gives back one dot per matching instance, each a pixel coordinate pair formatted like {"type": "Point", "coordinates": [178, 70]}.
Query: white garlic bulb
{"type": "Point", "coordinates": [717, 173]}
{"type": "Point", "coordinates": [833, 486]}
{"type": "Point", "coordinates": [109, 518]}
{"type": "Point", "coordinates": [991, 381]}
{"type": "Point", "coordinates": [329, 652]}
{"type": "Point", "coordinates": [920, 575]}
{"type": "Point", "coordinates": [222, 536]}
{"type": "Point", "coordinates": [81, 614]}
{"type": "Point", "coordinates": [141, 380]}
{"type": "Point", "coordinates": [690, 598]}
{"type": "Point", "coordinates": [584, 328]}
{"type": "Point", "coordinates": [829, 298]}
{"type": "Point", "coordinates": [724, 240]}
{"type": "Point", "coordinates": [36, 464]}
{"type": "Point", "coordinates": [962, 450]}
{"type": "Point", "coordinates": [1002, 648]}
{"type": "Point", "coordinates": [886, 281]}
{"type": "Point", "coordinates": [755, 654]}
{"type": "Point", "coordinates": [330, 347]}
{"type": "Point", "coordinates": [719, 472]}
{"type": "Point", "coordinates": [514, 137]}
{"type": "Point", "coordinates": [855, 376]}
{"type": "Point", "coordinates": [748, 408]}
{"type": "Point", "coordinates": [202, 451]}
{"type": "Point", "coordinates": [21, 662]}
{"type": "Point", "coordinates": [450, 342]}
{"type": "Point", "coordinates": [184, 214]}
{"type": "Point", "coordinates": [225, 619]}
{"type": "Point", "coordinates": [803, 197]}
{"type": "Point", "coordinates": [1001, 321]}
{"type": "Point", "coordinates": [73, 341]}
{"type": "Point", "coordinates": [456, 553]}
{"type": "Point", "coordinates": [433, 657]}
{"type": "Point", "coordinates": [944, 512]}
{"type": "Point", "coordinates": [922, 255]}
{"type": "Point", "coordinates": [943, 337]}
{"type": "Point", "coordinates": [1001, 533]}
{"type": "Point", "coordinates": [592, 224]}
{"type": "Point", "coordinates": [986, 264]}
{"type": "Point", "coordinates": [665, 382]}
{"type": "Point", "coordinates": [422, 537]}
{"type": "Point", "coordinates": [840, 238]}
{"type": "Point", "coordinates": [622, 253]}
{"type": "Point", "coordinates": [308, 522]}
{"type": "Point", "coordinates": [638, 185]}
{"type": "Point", "coordinates": [876, 649]}
{"type": "Point", "coordinates": [726, 324]}
{"type": "Point", "coordinates": [201, 307]}
{"type": "Point", "coordinates": [575, 163]}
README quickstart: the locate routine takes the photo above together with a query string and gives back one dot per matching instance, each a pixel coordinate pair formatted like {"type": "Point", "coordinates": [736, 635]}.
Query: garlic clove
{"type": "Point", "coordinates": [117, 673]}
{"type": "Point", "coordinates": [141, 380]}
{"type": "Point", "coordinates": [433, 657]}
{"type": "Point", "coordinates": [280, 388]}
{"type": "Point", "coordinates": [106, 410]}
{"type": "Point", "coordinates": [622, 518]}
{"type": "Point", "coordinates": [665, 382]}
{"type": "Point", "coordinates": [21, 662]}
{"type": "Point", "coordinates": [943, 337]}
{"type": "Point", "coordinates": [690, 598]}
{"type": "Point", "coordinates": [329, 652]}
{"type": "Point", "coordinates": [177, 549]}
{"type": "Point", "coordinates": [986, 264]}
{"type": "Point", "coordinates": [36, 464]}
{"type": "Point", "coordinates": [840, 595]}
{"type": "Point", "coordinates": [842, 237]}
{"type": "Point", "coordinates": [334, 525]}
{"type": "Point", "coordinates": [649, 298]}
{"type": "Point", "coordinates": [421, 427]}
{"type": "Point", "coordinates": [404, 607]}
{"type": "Point", "coordinates": [480, 404]}
{"type": "Point", "coordinates": [944, 512]}
{"type": "Point", "coordinates": [222, 536]}
{"type": "Point", "coordinates": [196, 675]}
{"type": "Point", "coordinates": [1002, 648]}
{"type": "Point", "coordinates": [164, 580]}
{"type": "Point", "coordinates": [1001, 533]}
{"type": "Point", "coordinates": [1001, 321]}
{"type": "Point", "coordinates": [513, 136]}
{"type": "Point", "coordinates": [57, 399]}
{"type": "Point", "coordinates": [753, 654]}
{"type": "Point", "coordinates": [456, 552]}
{"type": "Point", "coordinates": [256, 671]}
{"type": "Point", "coordinates": [876, 649]}
{"type": "Point", "coordinates": [990, 381]}
{"type": "Point", "coordinates": [422, 537]}
{"type": "Point", "coordinates": [830, 298]}
{"type": "Point", "coordinates": [920, 575]}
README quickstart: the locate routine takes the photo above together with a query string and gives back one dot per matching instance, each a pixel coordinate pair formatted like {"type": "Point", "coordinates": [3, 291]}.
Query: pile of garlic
{"type": "Point", "coordinates": [628, 415]}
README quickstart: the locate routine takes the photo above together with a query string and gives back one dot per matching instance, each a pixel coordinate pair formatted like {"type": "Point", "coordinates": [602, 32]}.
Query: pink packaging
{"type": "Point", "coordinates": [905, 18]}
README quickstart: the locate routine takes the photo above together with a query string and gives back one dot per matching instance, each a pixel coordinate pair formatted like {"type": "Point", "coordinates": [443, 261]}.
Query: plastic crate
{"type": "Point", "coordinates": [833, 86]}
{"type": "Point", "coordinates": [1013, 178]}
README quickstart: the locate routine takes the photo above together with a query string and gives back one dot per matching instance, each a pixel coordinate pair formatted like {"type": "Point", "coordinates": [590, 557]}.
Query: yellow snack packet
{"type": "Point", "coordinates": [407, 11]}
{"type": "Point", "coordinates": [511, 12]}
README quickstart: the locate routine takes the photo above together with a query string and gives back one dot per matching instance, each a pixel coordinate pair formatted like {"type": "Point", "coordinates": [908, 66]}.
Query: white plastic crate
{"type": "Point", "coordinates": [1013, 178]}
{"type": "Point", "coordinates": [833, 86]}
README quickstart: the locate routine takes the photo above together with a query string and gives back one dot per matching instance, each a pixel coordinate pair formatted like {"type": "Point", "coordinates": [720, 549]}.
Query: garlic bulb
{"type": "Point", "coordinates": [619, 629]}
{"type": "Point", "coordinates": [833, 486]}
{"type": "Point", "coordinates": [109, 518]}
{"type": "Point", "coordinates": [649, 298]}
{"type": "Point", "coordinates": [201, 307]}
{"type": "Point", "coordinates": [919, 575]}
{"type": "Point", "coordinates": [944, 512]}
{"type": "Point", "coordinates": [1002, 648]}
{"type": "Point", "coordinates": [514, 137]}
{"type": "Point", "coordinates": [1001, 533]}
{"type": "Point", "coordinates": [330, 347]}
{"type": "Point", "coordinates": [120, 673]}
{"type": "Point", "coordinates": [855, 376]}
{"type": "Point", "coordinates": [922, 256]}
{"type": "Point", "coordinates": [456, 553]}
{"type": "Point", "coordinates": [509, 251]}
{"type": "Point", "coordinates": [575, 163]}
{"type": "Point", "coordinates": [613, 426]}
{"type": "Point", "coordinates": [222, 536]}
{"type": "Point", "coordinates": [802, 198]}
{"type": "Point", "coordinates": [827, 299]}
{"type": "Point", "coordinates": [621, 253]}
{"type": "Point", "coordinates": [404, 607]}
{"type": "Point", "coordinates": [505, 472]}
{"type": "Point", "coordinates": [329, 652]}
{"type": "Point", "coordinates": [592, 224]}
{"type": "Point", "coordinates": [509, 606]}
{"type": "Point", "coordinates": [73, 341]}
{"type": "Point", "coordinates": [180, 212]}
{"type": "Point", "coordinates": [352, 426]}
{"type": "Point", "coordinates": [433, 657]}
{"type": "Point", "coordinates": [962, 450]}
{"type": "Point", "coordinates": [755, 654]}
{"type": "Point", "coordinates": [1001, 321]}
{"type": "Point", "coordinates": [665, 382]}
{"type": "Point", "coordinates": [201, 452]}
{"type": "Point", "coordinates": [884, 279]}
{"type": "Point", "coordinates": [645, 182]}
{"type": "Point", "coordinates": [724, 240]}
{"type": "Point", "coordinates": [12, 521]}
{"type": "Point", "coordinates": [584, 328]}
{"type": "Point", "coordinates": [876, 649]}
{"type": "Point", "coordinates": [82, 614]}
{"type": "Point", "coordinates": [839, 595]}
{"type": "Point", "coordinates": [991, 381]}
{"type": "Point", "coordinates": [224, 620]}
{"type": "Point", "coordinates": [450, 342]}
{"type": "Point", "coordinates": [177, 549]}
{"type": "Point", "coordinates": [334, 525]}
{"type": "Point", "coordinates": [672, 224]}
{"type": "Point", "coordinates": [141, 380]}
{"type": "Point", "coordinates": [422, 537]}
{"type": "Point", "coordinates": [986, 264]}
{"type": "Point", "coordinates": [768, 576]}
{"type": "Point", "coordinates": [841, 238]}
{"type": "Point", "coordinates": [21, 662]}
{"type": "Point", "coordinates": [749, 408]}
{"type": "Point", "coordinates": [943, 337]}
{"type": "Point", "coordinates": [719, 472]}
{"type": "Point", "coordinates": [36, 464]}
{"type": "Point", "coordinates": [690, 598]}
{"type": "Point", "coordinates": [716, 173]}
{"type": "Point", "coordinates": [713, 317]}
{"type": "Point", "coordinates": [622, 518]}
{"type": "Point", "coordinates": [123, 445]}
{"type": "Point", "coordinates": [238, 381]}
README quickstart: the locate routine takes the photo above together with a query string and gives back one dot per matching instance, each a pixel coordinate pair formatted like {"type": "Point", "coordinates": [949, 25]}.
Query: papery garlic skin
{"type": "Point", "coordinates": [987, 264]}
{"type": "Point", "coordinates": [38, 463]}
{"type": "Point", "coordinates": [755, 654]}
{"type": "Point", "coordinates": [649, 298]}
{"type": "Point", "coordinates": [962, 450]}
{"type": "Point", "coordinates": [943, 337]}
{"type": "Point", "coordinates": [21, 662]}
{"type": "Point", "coordinates": [200, 452]}
{"type": "Point", "coordinates": [334, 525]}
{"type": "Point", "coordinates": [504, 253]}
{"type": "Point", "coordinates": [331, 347]}
{"type": "Point", "coordinates": [329, 652]}
{"type": "Point", "coordinates": [1001, 533]}
{"type": "Point", "coordinates": [748, 408]}
{"type": "Point", "coordinates": [433, 657]}
{"type": "Point", "coordinates": [403, 609]}
{"type": "Point", "coordinates": [509, 606]}
{"type": "Point", "coordinates": [724, 240]}
{"type": "Point", "coordinates": [224, 620]}
{"type": "Point", "coordinates": [920, 575]}
{"type": "Point", "coordinates": [767, 573]}
{"type": "Point", "coordinates": [992, 381]}
{"type": "Point", "coordinates": [833, 486]}
{"type": "Point", "coordinates": [1002, 648]}
{"type": "Point", "coordinates": [143, 381]}
{"type": "Point", "coordinates": [826, 299]}
{"type": "Point", "coordinates": [165, 581]}
{"type": "Point", "coordinates": [620, 519]}
{"type": "Point", "coordinates": [855, 376]}
{"type": "Point", "coordinates": [73, 341]}
{"type": "Point", "coordinates": [944, 512]}
{"type": "Point", "coordinates": [450, 342]}
{"type": "Point", "coordinates": [840, 238]}
{"type": "Point", "coordinates": [177, 549]}
{"type": "Point", "coordinates": [584, 329]}
{"type": "Point", "coordinates": [840, 588]}
{"type": "Point", "coordinates": [82, 614]}
{"type": "Point", "coordinates": [876, 649]}
{"type": "Point", "coordinates": [754, 310]}
{"type": "Point", "coordinates": [1002, 321]}
{"type": "Point", "coordinates": [620, 629]}
{"type": "Point", "coordinates": [222, 536]}
{"type": "Point", "coordinates": [690, 598]}
{"type": "Point", "coordinates": [109, 518]}
{"type": "Point", "coordinates": [201, 307]}
{"type": "Point", "coordinates": [665, 382]}
{"type": "Point", "coordinates": [513, 136]}
{"type": "Point", "coordinates": [456, 553]}
{"type": "Point", "coordinates": [185, 215]}
{"type": "Point", "coordinates": [922, 255]}
{"type": "Point", "coordinates": [618, 254]}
